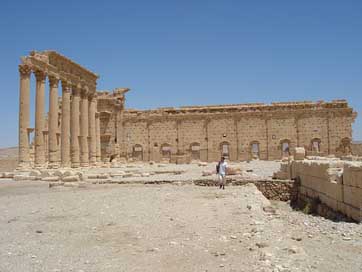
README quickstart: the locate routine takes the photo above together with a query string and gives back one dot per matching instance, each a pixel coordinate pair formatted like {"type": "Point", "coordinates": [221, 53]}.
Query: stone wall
{"type": "Point", "coordinates": [335, 183]}
{"type": "Point", "coordinates": [203, 133]}
{"type": "Point", "coordinates": [357, 148]}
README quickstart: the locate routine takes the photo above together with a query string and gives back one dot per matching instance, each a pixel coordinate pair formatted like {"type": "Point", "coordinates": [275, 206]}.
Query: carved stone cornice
{"type": "Point", "coordinates": [53, 63]}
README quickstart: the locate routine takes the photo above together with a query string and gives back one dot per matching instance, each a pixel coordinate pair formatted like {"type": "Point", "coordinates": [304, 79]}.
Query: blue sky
{"type": "Point", "coordinates": [173, 53]}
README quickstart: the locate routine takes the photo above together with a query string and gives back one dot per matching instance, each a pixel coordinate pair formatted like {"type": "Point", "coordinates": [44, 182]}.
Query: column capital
{"type": "Point", "coordinates": [65, 86]}
{"type": "Point", "coordinates": [40, 75]}
{"type": "Point", "coordinates": [92, 97]}
{"type": "Point", "coordinates": [24, 70]}
{"type": "Point", "coordinates": [53, 81]}
{"type": "Point", "coordinates": [76, 90]}
{"type": "Point", "coordinates": [84, 92]}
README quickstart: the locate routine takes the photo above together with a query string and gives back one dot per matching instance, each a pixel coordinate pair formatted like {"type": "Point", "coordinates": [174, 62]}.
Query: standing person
{"type": "Point", "coordinates": [221, 171]}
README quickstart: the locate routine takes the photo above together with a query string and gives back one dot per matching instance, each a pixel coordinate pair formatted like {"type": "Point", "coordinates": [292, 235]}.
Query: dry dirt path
{"type": "Point", "coordinates": [165, 228]}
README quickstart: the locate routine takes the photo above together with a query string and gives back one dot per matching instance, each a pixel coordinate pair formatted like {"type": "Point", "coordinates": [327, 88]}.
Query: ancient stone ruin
{"type": "Point", "coordinates": [85, 127]}
{"type": "Point", "coordinates": [70, 138]}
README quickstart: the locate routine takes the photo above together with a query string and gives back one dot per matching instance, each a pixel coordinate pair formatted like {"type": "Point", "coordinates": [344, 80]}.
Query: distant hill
{"type": "Point", "coordinates": [9, 152]}
{"type": "Point", "coordinates": [8, 158]}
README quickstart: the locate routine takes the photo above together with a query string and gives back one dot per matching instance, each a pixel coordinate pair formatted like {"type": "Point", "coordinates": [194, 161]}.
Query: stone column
{"type": "Point", "coordinates": [98, 138]}
{"type": "Point", "coordinates": [53, 122]}
{"type": "Point", "coordinates": [39, 118]}
{"type": "Point", "coordinates": [74, 127]}
{"type": "Point", "coordinates": [24, 116]}
{"type": "Point", "coordinates": [65, 139]}
{"type": "Point", "coordinates": [84, 155]}
{"type": "Point", "coordinates": [92, 129]}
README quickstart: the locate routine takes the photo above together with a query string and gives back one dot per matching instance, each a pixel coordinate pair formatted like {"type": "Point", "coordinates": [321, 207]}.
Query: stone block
{"type": "Point", "coordinates": [51, 179]}
{"type": "Point", "coordinates": [352, 175]}
{"type": "Point", "coordinates": [330, 202]}
{"type": "Point", "coordinates": [118, 174]}
{"type": "Point", "coordinates": [332, 190]}
{"type": "Point", "coordinates": [55, 184]}
{"type": "Point", "coordinates": [335, 175]}
{"type": "Point", "coordinates": [98, 176]}
{"type": "Point", "coordinates": [354, 213]}
{"type": "Point", "coordinates": [74, 178]}
{"type": "Point", "coordinates": [206, 173]}
{"type": "Point", "coordinates": [68, 173]}
{"type": "Point", "coordinates": [353, 196]}
{"type": "Point", "coordinates": [233, 171]}
{"type": "Point", "coordinates": [299, 153]}
{"type": "Point", "coordinates": [35, 173]}
{"type": "Point", "coordinates": [23, 177]}
{"type": "Point", "coordinates": [8, 175]}
{"type": "Point", "coordinates": [45, 173]}
{"type": "Point", "coordinates": [71, 184]}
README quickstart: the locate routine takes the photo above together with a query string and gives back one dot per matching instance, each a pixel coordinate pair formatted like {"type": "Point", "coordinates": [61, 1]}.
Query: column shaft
{"type": "Point", "coordinates": [98, 138]}
{"type": "Point", "coordinates": [92, 129]}
{"type": "Point", "coordinates": [39, 119]}
{"type": "Point", "coordinates": [24, 115]}
{"type": "Point", "coordinates": [53, 122]}
{"type": "Point", "coordinates": [65, 125]}
{"type": "Point", "coordinates": [74, 127]}
{"type": "Point", "coordinates": [84, 155]}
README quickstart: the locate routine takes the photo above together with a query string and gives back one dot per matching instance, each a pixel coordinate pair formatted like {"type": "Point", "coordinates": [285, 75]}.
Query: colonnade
{"type": "Point", "coordinates": [79, 125]}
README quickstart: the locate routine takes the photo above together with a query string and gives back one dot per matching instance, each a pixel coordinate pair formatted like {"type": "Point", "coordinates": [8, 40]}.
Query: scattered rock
{"type": "Point", "coordinates": [269, 209]}
{"type": "Point", "coordinates": [297, 238]}
{"type": "Point", "coordinates": [51, 179]}
{"type": "Point", "coordinates": [8, 175]}
{"type": "Point", "coordinates": [35, 173]}
{"type": "Point", "coordinates": [55, 184]}
{"type": "Point", "coordinates": [23, 177]}
{"type": "Point", "coordinates": [261, 245]}
{"type": "Point", "coordinates": [206, 173]}
{"type": "Point", "coordinates": [71, 178]}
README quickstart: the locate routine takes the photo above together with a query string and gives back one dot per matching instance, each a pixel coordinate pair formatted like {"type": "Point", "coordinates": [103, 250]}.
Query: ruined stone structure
{"type": "Point", "coordinates": [70, 136]}
{"type": "Point", "coordinates": [334, 183]}
{"type": "Point", "coordinates": [239, 132]}
{"type": "Point", "coordinates": [356, 148]}
{"type": "Point", "coordinates": [84, 126]}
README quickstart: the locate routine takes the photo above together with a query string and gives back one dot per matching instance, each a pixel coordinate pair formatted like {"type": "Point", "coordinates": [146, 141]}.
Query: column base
{"type": "Point", "coordinates": [65, 165]}
{"type": "Point", "coordinates": [23, 166]}
{"type": "Point", "coordinates": [75, 165]}
{"type": "Point", "coordinates": [40, 166]}
{"type": "Point", "coordinates": [53, 165]}
{"type": "Point", "coordinates": [84, 164]}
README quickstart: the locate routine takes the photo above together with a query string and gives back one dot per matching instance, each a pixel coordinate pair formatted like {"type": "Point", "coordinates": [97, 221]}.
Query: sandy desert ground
{"type": "Point", "coordinates": [169, 227]}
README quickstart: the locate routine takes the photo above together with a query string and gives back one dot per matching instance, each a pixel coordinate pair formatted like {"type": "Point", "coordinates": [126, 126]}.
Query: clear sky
{"type": "Point", "coordinates": [191, 52]}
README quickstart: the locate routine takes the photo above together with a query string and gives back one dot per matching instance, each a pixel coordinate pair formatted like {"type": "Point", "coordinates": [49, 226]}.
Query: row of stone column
{"type": "Point", "coordinates": [80, 125]}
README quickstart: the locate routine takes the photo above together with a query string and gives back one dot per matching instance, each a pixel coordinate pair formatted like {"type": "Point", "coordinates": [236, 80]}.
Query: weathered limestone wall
{"type": "Point", "coordinates": [313, 127]}
{"type": "Point", "coordinates": [245, 131]}
{"type": "Point", "coordinates": [256, 129]}
{"type": "Point", "coordinates": [357, 148]}
{"type": "Point", "coordinates": [336, 183]}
